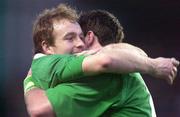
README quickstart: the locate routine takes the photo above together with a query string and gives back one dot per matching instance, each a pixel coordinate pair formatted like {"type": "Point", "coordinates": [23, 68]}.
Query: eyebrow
{"type": "Point", "coordinates": [70, 34]}
{"type": "Point", "coordinates": [82, 34]}
{"type": "Point", "coordinates": [73, 34]}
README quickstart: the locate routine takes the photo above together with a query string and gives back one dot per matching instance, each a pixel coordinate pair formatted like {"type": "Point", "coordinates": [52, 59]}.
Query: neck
{"type": "Point", "coordinates": [95, 44]}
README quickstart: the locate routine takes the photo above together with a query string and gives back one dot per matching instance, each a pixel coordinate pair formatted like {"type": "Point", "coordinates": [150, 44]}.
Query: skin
{"type": "Point", "coordinates": [68, 38]}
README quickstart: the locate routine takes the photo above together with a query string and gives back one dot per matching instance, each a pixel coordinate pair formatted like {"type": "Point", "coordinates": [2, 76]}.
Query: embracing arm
{"type": "Point", "coordinates": [115, 60]}
{"type": "Point", "coordinates": [37, 104]}
{"type": "Point", "coordinates": [110, 59]}
{"type": "Point", "coordinates": [125, 46]}
{"type": "Point", "coordinates": [121, 61]}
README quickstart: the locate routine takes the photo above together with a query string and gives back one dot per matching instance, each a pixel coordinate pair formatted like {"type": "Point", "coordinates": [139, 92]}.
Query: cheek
{"type": "Point", "coordinates": [67, 47]}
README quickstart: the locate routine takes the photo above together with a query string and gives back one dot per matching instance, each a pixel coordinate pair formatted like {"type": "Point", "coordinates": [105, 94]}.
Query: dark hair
{"type": "Point", "coordinates": [43, 26]}
{"type": "Point", "coordinates": [104, 24]}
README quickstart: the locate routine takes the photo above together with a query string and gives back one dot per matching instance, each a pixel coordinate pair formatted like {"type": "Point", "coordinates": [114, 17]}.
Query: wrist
{"type": "Point", "coordinates": [151, 66]}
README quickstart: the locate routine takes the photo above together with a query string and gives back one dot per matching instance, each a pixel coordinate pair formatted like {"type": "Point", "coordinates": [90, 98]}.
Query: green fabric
{"type": "Point", "coordinates": [48, 71]}
{"type": "Point", "coordinates": [104, 95]}
{"type": "Point", "coordinates": [28, 84]}
{"type": "Point", "coordinates": [136, 101]}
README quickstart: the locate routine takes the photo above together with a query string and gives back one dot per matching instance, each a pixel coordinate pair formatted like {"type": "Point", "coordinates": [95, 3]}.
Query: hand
{"type": "Point", "coordinates": [29, 72]}
{"type": "Point", "coordinates": [88, 52]}
{"type": "Point", "coordinates": [166, 68]}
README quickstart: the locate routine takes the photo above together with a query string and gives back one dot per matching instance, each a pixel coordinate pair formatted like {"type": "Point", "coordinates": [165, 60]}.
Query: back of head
{"type": "Point", "coordinates": [43, 26]}
{"type": "Point", "coordinates": [104, 24]}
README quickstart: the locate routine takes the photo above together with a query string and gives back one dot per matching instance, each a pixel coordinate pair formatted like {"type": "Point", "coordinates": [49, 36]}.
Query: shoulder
{"type": "Point", "coordinates": [51, 58]}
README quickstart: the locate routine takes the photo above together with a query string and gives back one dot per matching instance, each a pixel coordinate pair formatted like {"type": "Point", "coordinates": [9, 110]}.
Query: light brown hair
{"type": "Point", "coordinates": [43, 26]}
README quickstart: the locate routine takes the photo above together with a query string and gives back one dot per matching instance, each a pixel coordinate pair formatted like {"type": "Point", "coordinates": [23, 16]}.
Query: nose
{"type": "Point", "coordinates": [80, 44]}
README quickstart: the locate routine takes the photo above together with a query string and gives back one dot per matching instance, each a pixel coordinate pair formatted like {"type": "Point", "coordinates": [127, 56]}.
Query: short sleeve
{"type": "Point", "coordinates": [49, 71]}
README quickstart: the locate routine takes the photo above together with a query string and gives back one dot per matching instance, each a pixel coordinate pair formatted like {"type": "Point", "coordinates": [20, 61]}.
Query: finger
{"type": "Point", "coordinates": [93, 51]}
{"type": "Point", "coordinates": [175, 71]}
{"type": "Point", "coordinates": [81, 53]}
{"type": "Point", "coordinates": [29, 72]}
{"type": "Point", "coordinates": [172, 75]}
{"type": "Point", "coordinates": [78, 54]}
{"type": "Point", "coordinates": [175, 62]}
{"type": "Point", "coordinates": [169, 80]}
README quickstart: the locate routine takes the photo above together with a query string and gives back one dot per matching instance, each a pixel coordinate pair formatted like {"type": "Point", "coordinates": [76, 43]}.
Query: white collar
{"type": "Point", "coordinates": [38, 55]}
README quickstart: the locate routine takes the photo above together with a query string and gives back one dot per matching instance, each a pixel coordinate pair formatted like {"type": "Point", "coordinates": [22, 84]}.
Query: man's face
{"type": "Point", "coordinates": [68, 37]}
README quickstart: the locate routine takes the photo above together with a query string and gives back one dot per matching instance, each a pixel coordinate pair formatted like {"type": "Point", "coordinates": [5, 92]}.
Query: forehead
{"type": "Point", "coordinates": [62, 27]}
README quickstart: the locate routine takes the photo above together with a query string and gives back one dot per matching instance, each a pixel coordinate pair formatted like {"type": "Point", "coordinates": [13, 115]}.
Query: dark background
{"type": "Point", "coordinates": [152, 25]}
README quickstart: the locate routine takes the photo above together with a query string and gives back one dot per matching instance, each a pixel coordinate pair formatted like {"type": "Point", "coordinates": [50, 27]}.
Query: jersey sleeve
{"type": "Point", "coordinates": [49, 71]}
{"type": "Point", "coordinates": [28, 84]}
{"type": "Point", "coordinates": [71, 68]}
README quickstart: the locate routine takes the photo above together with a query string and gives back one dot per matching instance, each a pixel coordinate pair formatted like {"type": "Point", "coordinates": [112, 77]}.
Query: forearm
{"type": "Point", "coordinates": [127, 61]}
{"type": "Point", "coordinates": [117, 61]}
{"type": "Point", "coordinates": [128, 58]}
{"type": "Point", "coordinates": [37, 104]}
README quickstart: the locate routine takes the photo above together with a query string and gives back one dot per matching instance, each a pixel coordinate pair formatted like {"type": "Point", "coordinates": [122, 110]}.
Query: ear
{"type": "Point", "coordinates": [89, 40]}
{"type": "Point", "coordinates": [46, 48]}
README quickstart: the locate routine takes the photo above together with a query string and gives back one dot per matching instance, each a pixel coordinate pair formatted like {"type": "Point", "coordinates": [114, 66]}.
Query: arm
{"type": "Point", "coordinates": [125, 46]}
{"type": "Point", "coordinates": [60, 68]}
{"type": "Point", "coordinates": [37, 104]}
{"type": "Point", "coordinates": [125, 61]}
{"type": "Point", "coordinates": [164, 68]}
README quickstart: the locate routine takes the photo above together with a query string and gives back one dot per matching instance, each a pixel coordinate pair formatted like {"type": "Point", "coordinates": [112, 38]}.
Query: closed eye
{"type": "Point", "coordinates": [81, 36]}
{"type": "Point", "coordinates": [70, 36]}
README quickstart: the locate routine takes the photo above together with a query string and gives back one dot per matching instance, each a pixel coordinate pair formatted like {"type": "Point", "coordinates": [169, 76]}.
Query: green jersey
{"type": "Point", "coordinates": [102, 95]}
